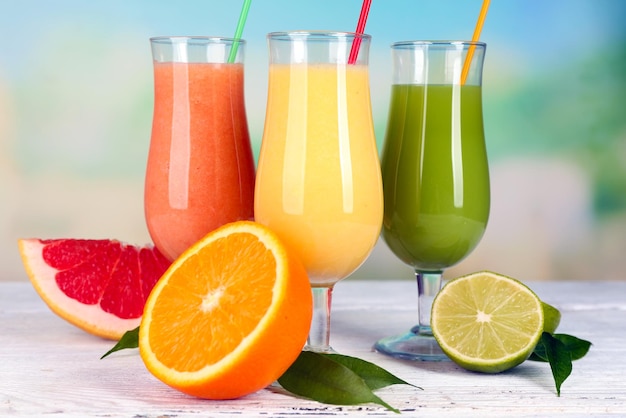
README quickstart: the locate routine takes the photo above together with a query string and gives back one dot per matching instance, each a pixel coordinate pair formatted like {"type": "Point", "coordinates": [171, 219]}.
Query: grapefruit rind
{"type": "Point", "coordinates": [224, 379]}
{"type": "Point", "coordinates": [89, 318]}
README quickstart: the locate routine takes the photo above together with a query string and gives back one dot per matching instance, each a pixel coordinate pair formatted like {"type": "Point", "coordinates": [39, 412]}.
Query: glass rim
{"type": "Point", "coordinates": [316, 35]}
{"type": "Point", "coordinates": [197, 38]}
{"type": "Point", "coordinates": [404, 44]}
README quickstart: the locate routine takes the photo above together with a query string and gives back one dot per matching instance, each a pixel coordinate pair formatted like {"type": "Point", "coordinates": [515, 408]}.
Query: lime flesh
{"type": "Point", "coordinates": [487, 322]}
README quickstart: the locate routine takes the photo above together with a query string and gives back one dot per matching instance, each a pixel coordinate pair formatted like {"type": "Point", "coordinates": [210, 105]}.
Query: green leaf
{"type": "Point", "coordinates": [577, 347]}
{"type": "Point", "coordinates": [539, 353]}
{"type": "Point", "coordinates": [560, 350]}
{"type": "Point", "coordinates": [317, 376]}
{"type": "Point", "coordinates": [374, 376]}
{"type": "Point", "coordinates": [130, 339]}
{"type": "Point", "coordinates": [559, 357]}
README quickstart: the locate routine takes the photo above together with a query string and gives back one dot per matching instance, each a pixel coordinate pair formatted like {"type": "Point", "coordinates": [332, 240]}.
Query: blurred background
{"type": "Point", "coordinates": [76, 110]}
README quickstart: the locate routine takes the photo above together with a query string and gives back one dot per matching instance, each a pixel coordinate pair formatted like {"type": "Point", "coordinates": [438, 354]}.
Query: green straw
{"type": "Point", "coordinates": [240, 24]}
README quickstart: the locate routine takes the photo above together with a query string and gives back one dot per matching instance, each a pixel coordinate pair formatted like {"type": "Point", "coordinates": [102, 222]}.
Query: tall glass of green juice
{"type": "Point", "coordinates": [435, 172]}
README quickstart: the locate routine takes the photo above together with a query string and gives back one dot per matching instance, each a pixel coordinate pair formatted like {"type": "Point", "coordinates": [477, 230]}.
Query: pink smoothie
{"type": "Point", "coordinates": [200, 172]}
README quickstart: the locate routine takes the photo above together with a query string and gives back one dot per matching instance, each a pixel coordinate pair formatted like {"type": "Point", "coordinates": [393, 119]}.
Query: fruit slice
{"type": "Point", "coordinates": [487, 322]}
{"type": "Point", "coordinates": [229, 316]}
{"type": "Point", "coordinates": [98, 285]}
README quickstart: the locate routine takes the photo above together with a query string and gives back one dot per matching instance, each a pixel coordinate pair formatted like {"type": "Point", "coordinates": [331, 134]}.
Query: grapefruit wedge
{"type": "Point", "coordinates": [100, 286]}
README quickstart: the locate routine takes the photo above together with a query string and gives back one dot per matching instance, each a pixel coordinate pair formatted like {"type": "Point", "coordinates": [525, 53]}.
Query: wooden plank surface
{"type": "Point", "coordinates": [50, 368]}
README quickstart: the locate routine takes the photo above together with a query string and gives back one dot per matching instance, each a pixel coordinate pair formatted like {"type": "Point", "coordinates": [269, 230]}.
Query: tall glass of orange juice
{"type": "Point", "coordinates": [200, 172]}
{"type": "Point", "coordinates": [318, 179]}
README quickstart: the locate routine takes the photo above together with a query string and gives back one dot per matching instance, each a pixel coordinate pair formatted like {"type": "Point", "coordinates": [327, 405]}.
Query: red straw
{"type": "Point", "coordinates": [360, 29]}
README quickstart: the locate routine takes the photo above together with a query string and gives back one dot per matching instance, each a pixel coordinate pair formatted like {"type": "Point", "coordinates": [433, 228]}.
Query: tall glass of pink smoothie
{"type": "Point", "coordinates": [200, 172]}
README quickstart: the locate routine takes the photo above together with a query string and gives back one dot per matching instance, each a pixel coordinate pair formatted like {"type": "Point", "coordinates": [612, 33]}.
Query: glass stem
{"type": "Point", "coordinates": [428, 285]}
{"type": "Point", "coordinates": [319, 335]}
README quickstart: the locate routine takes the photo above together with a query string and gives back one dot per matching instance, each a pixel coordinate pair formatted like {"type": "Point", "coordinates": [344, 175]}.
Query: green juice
{"type": "Point", "coordinates": [435, 174]}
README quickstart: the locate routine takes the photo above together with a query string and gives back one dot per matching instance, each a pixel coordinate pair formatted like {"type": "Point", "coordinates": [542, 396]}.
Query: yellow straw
{"type": "Point", "coordinates": [475, 38]}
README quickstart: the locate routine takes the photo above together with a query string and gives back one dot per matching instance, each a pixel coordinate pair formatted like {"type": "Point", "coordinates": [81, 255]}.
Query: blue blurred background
{"type": "Point", "coordinates": [76, 109]}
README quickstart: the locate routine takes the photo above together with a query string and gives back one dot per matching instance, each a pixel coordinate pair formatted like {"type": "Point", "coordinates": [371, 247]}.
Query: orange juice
{"type": "Point", "coordinates": [200, 172]}
{"type": "Point", "coordinates": [319, 183]}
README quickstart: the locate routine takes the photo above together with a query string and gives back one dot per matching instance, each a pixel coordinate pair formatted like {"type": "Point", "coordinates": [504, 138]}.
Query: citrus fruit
{"type": "Point", "coordinates": [551, 318]}
{"type": "Point", "coordinates": [98, 285]}
{"type": "Point", "coordinates": [487, 322]}
{"type": "Point", "coordinates": [229, 316]}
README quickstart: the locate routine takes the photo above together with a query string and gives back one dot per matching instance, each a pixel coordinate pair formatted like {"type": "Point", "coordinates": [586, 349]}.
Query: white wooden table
{"type": "Point", "coordinates": [50, 368]}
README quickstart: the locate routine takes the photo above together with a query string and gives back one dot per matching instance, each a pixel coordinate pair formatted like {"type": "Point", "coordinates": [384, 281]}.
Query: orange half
{"type": "Point", "coordinates": [229, 316]}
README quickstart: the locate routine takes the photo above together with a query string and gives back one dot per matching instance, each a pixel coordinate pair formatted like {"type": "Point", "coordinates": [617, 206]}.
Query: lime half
{"type": "Point", "coordinates": [487, 322]}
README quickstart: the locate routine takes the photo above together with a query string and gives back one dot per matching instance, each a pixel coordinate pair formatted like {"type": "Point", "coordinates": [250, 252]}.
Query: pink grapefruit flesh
{"type": "Point", "coordinates": [98, 285]}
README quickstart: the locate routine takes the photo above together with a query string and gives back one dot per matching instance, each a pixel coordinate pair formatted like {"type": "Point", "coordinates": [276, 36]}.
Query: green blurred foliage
{"type": "Point", "coordinates": [575, 111]}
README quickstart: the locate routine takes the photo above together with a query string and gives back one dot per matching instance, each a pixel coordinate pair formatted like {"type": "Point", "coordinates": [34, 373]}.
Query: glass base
{"type": "Point", "coordinates": [321, 349]}
{"type": "Point", "coordinates": [411, 346]}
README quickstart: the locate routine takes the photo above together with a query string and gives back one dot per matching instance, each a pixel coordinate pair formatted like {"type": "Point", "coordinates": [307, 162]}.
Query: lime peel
{"type": "Point", "coordinates": [551, 318]}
